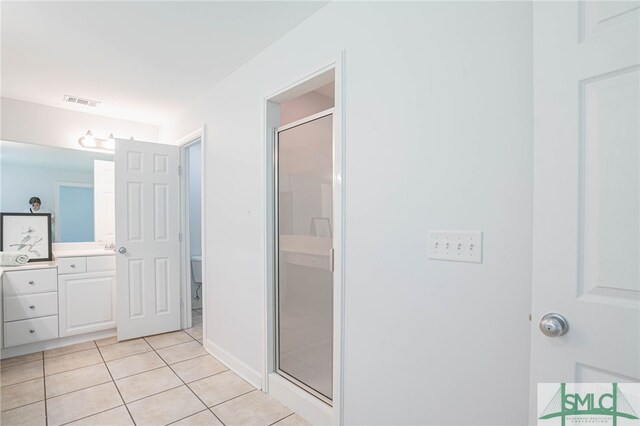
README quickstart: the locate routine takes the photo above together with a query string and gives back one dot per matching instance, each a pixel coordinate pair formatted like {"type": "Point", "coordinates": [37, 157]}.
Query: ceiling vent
{"type": "Point", "coordinates": [77, 100]}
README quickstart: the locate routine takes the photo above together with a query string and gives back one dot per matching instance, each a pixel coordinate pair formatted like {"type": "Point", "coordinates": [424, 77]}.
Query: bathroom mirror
{"type": "Point", "coordinates": [62, 178]}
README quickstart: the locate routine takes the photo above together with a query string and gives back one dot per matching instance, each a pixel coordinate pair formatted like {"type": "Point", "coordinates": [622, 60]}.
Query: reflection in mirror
{"type": "Point", "coordinates": [62, 178]}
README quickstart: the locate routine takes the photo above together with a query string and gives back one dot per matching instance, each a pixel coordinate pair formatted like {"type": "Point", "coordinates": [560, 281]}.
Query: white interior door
{"type": "Point", "coordinates": [586, 243]}
{"type": "Point", "coordinates": [104, 200]}
{"type": "Point", "coordinates": [147, 227]}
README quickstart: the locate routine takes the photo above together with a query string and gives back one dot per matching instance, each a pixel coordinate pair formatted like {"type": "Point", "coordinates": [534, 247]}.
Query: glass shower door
{"type": "Point", "coordinates": [304, 281]}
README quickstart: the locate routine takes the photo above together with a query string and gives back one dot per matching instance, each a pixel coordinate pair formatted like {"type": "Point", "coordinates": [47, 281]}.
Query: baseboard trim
{"type": "Point", "coordinates": [240, 368]}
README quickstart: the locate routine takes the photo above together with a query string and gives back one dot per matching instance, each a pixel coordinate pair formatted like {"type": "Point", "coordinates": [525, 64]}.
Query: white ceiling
{"type": "Point", "coordinates": [142, 60]}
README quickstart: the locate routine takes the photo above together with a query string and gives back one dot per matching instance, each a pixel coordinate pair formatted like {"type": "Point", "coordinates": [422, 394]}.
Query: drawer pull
{"type": "Point", "coordinates": [32, 283]}
{"type": "Point", "coordinates": [73, 265]}
{"type": "Point", "coordinates": [32, 331]}
{"type": "Point", "coordinates": [32, 306]}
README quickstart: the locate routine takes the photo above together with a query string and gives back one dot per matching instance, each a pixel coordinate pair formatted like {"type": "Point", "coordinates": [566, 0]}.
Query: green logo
{"type": "Point", "coordinates": [613, 404]}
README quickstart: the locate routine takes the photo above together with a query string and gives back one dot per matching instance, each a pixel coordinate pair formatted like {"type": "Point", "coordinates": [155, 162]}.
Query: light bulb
{"type": "Point", "coordinates": [88, 140]}
{"type": "Point", "coordinates": [110, 143]}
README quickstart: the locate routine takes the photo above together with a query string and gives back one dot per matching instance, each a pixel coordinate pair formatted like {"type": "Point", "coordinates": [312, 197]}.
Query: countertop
{"type": "Point", "coordinates": [83, 252]}
{"type": "Point", "coordinates": [57, 255]}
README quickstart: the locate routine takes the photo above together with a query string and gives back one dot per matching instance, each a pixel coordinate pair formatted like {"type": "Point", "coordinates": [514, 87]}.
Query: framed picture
{"type": "Point", "coordinates": [27, 233]}
{"type": "Point", "coordinates": [321, 227]}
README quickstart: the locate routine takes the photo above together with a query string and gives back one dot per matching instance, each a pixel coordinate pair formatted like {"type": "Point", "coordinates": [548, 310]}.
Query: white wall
{"type": "Point", "coordinates": [45, 125]}
{"type": "Point", "coordinates": [438, 136]}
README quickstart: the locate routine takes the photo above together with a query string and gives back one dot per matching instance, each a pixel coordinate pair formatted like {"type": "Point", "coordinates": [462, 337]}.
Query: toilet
{"type": "Point", "coordinates": [196, 269]}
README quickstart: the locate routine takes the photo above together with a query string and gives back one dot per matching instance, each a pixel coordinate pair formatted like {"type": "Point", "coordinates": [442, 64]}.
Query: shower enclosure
{"type": "Point", "coordinates": [304, 248]}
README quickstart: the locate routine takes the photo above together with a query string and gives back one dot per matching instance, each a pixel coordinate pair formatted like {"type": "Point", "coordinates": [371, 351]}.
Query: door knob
{"type": "Point", "coordinates": [554, 325]}
{"type": "Point", "coordinates": [122, 250]}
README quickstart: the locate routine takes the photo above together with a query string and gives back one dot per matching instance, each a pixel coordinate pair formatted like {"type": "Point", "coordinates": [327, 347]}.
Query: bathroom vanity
{"type": "Point", "coordinates": [51, 304]}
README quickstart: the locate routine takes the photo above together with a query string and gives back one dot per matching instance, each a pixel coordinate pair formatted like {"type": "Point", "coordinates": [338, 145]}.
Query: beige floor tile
{"type": "Point", "coordinates": [161, 409]}
{"type": "Point", "coordinates": [181, 352]}
{"type": "Point", "coordinates": [107, 341]}
{"type": "Point", "coordinates": [198, 368]}
{"type": "Point", "coordinates": [118, 416]}
{"type": "Point", "coordinates": [86, 402]}
{"type": "Point", "coordinates": [20, 394]}
{"type": "Point", "coordinates": [134, 364]}
{"type": "Point", "coordinates": [168, 339]}
{"type": "Point", "coordinates": [9, 362]}
{"type": "Point", "coordinates": [220, 388]}
{"type": "Point", "coordinates": [145, 384]}
{"type": "Point", "coordinates": [202, 418]}
{"type": "Point", "coordinates": [293, 420]}
{"type": "Point", "coordinates": [72, 361]}
{"type": "Point", "coordinates": [255, 408]}
{"type": "Point", "coordinates": [73, 380]}
{"type": "Point", "coordinates": [199, 341]}
{"type": "Point", "coordinates": [128, 348]}
{"type": "Point", "coordinates": [29, 415]}
{"type": "Point", "coordinates": [21, 373]}
{"type": "Point", "coordinates": [195, 331]}
{"type": "Point", "coordinates": [70, 349]}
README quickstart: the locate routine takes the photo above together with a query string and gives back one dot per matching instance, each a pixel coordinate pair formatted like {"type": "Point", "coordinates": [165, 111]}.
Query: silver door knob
{"type": "Point", "coordinates": [554, 325]}
{"type": "Point", "coordinates": [122, 250]}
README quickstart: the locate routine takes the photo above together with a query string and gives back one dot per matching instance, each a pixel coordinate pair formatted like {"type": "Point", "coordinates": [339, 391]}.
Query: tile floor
{"type": "Point", "coordinates": [156, 380]}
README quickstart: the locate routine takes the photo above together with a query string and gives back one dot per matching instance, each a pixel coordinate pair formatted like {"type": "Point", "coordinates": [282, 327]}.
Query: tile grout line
{"type": "Point", "coordinates": [116, 386]}
{"type": "Point", "coordinates": [194, 414]}
{"type": "Point", "coordinates": [187, 386]}
{"type": "Point", "coordinates": [235, 397]}
{"type": "Point", "coordinates": [150, 395]}
{"type": "Point", "coordinates": [76, 390]}
{"type": "Point", "coordinates": [2, 367]}
{"type": "Point", "coordinates": [95, 414]}
{"type": "Point", "coordinates": [285, 417]}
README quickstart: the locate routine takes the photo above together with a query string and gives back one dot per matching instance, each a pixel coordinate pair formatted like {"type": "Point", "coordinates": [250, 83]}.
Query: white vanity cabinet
{"type": "Point", "coordinates": [86, 294]}
{"type": "Point", "coordinates": [30, 306]}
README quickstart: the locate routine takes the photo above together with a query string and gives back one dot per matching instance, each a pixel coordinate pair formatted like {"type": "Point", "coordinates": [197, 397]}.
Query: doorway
{"type": "Point", "coordinates": [304, 223]}
{"type": "Point", "coordinates": [192, 231]}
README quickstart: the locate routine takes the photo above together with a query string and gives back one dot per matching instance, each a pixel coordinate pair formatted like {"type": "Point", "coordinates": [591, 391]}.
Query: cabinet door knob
{"type": "Point", "coordinates": [32, 283]}
{"type": "Point", "coordinates": [32, 331]}
{"type": "Point", "coordinates": [32, 306]}
{"type": "Point", "coordinates": [73, 265]}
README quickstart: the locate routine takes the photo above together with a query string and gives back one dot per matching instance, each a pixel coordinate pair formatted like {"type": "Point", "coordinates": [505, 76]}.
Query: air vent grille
{"type": "Point", "coordinates": [77, 100]}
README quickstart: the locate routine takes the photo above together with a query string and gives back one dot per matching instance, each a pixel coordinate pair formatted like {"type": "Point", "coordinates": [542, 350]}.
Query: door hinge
{"type": "Point", "coordinates": [180, 236]}
{"type": "Point", "coordinates": [179, 170]}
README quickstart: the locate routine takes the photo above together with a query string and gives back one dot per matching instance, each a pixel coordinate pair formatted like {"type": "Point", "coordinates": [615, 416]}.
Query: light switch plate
{"type": "Point", "coordinates": [457, 246]}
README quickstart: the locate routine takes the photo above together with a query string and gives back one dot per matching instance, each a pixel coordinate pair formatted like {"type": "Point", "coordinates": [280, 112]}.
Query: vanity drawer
{"type": "Point", "coordinates": [31, 330]}
{"type": "Point", "coordinates": [101, 263]}
{"type": "Point", "coordinates": [30, 306]}
{"type": "Point", "coordinates": [72, 265]}
{"type": "Point", "coordinates": [31, 281]}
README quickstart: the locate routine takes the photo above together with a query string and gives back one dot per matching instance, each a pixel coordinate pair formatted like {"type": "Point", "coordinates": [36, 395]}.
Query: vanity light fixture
{"type": "Point", "coordinates": [89, 141]}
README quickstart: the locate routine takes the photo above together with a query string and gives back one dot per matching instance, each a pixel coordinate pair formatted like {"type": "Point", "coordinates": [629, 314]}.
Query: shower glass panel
{"type": "Point", "coordinates": [304, 284]}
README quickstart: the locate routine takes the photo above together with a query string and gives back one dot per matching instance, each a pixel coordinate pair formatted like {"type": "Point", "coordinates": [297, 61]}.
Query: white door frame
{"type": "Point", "coordinates": [301, 401]}
{"type": "Point", "coordinates": [56, 202]}
{"type": "Point", "coordinates": [197, 136]}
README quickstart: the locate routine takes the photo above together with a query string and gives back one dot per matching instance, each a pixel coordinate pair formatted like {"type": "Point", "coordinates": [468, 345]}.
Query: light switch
{"type": "Point", "coordinates": [457, 246]}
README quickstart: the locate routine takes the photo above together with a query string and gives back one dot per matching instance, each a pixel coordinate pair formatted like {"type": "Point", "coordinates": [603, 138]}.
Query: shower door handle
{"type": "Point", "coordinates": [331, 262]}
